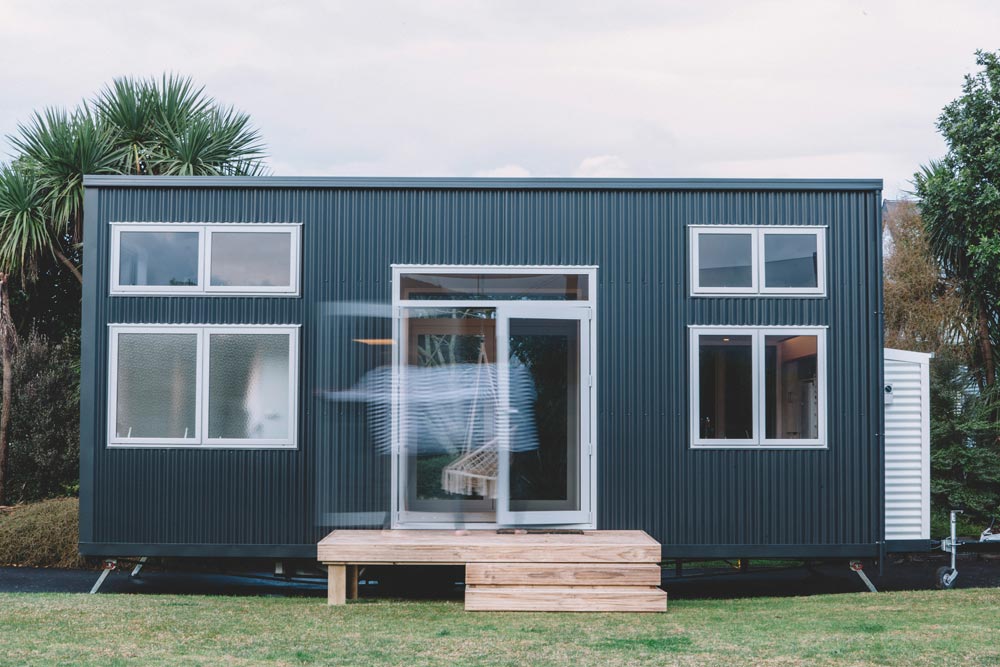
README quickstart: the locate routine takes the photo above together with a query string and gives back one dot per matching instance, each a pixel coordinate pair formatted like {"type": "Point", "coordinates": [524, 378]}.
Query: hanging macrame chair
{"type": "Point", "coordinates": [474, 472]}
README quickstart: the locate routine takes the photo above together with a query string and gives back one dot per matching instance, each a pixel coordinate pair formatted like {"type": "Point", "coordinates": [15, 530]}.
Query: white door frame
{"type": "Point", "coordinates": [505, 309]}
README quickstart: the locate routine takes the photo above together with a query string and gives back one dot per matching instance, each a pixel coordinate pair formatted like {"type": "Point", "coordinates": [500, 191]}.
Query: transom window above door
{"type": "Point", "coordinates": [728, 260]}
{"type": "Point", "coordinates": [504, 285]}
{"type": "Point", "coordinates": [205, 259]}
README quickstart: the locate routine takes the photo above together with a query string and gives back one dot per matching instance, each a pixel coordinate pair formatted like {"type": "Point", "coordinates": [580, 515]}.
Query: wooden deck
{"type": "Point", "coordinates": [594, 570]}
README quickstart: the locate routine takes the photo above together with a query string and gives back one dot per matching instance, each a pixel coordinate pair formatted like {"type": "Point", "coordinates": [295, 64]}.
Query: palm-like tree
{"type": "Point", "coordinates": [133, 126]}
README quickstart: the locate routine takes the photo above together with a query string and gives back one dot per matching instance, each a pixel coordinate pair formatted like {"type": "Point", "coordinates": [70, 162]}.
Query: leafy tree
{"type": "Point", "coordinates": [964, 470]}
{"type": "Point", "coordinates": [44, 429]}
{"type": "Point", "coordinates": [923, 311]}
{"type": "Point", "coordinates": [960, 204]}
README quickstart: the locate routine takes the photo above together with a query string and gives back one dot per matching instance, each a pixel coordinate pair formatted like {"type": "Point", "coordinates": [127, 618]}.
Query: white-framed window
{"type": "Point", "coordinates": [758, 387]}
{"type": "Point", "coordinates": [757, 259]}
{"type": "Point", "coordinates": [205, 259]}
{"type": "Point", "coordinates": [203, 386]}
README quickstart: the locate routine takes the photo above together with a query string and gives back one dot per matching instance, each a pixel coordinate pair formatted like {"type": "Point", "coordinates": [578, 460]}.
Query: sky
{"type": "Point", "coordinates": [791, 89]}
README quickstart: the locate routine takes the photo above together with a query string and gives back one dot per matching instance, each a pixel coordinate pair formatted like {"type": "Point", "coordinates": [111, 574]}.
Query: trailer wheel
{"type": "Point", "coordinates": [945, 577]}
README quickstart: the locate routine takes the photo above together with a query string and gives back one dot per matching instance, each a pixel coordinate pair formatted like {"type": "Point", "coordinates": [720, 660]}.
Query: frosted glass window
{"type": "Point", "coordinates": [790, 260]}
{"type": "Point", "coordinates": [157, 385]}
{"type": "Point", "coordinates": [725, 260]}
{"type": "Point", "coordinates": [248, 386]}
{"type": "Point", "coordinates": [158, 259]}
{"type": "Point", "coordinates": [251, 259]}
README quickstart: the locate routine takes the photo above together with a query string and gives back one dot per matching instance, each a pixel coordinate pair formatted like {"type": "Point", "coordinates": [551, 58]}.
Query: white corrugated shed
{"type": "Point", "coordinates": [907, 445]}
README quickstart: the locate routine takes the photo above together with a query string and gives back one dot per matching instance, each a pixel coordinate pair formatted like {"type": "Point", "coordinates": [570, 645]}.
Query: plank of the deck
{"type": "Point", "coordinates": [413, 546]}
{"type": "Point", "coordinates": [569, 574]}
{"type": "Point", "coordinates": [565, 598]}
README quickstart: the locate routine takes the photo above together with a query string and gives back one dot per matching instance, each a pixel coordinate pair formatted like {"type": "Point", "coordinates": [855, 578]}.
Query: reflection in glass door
{"type": "Point", "coordinates": [448, 412]}
{"type": "Point", "coordinates": [492, 414]}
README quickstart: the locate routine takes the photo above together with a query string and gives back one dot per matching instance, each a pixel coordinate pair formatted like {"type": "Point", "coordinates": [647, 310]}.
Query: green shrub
{"type": "Point", "coordinates": [45, 421]}
{"type": "Point", "coordinates": [41, 534]}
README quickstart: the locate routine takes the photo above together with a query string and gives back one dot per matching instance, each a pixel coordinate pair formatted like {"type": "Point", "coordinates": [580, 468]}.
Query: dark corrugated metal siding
{"type": "Point", "coordinates": [648, 477]}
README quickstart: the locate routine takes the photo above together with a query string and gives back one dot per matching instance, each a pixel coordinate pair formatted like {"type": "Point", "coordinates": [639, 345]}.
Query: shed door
{"type": "Point", "coordinates": [907, 445]}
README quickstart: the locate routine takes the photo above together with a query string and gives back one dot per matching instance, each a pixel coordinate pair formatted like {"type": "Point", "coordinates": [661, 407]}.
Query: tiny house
{"type": "Point", "coordinates": [266, 360]}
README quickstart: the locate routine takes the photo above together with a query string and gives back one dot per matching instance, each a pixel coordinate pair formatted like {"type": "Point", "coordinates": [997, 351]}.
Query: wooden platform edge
{"type": "Point", "coordinates": [568, 574]}
{"type": "Point", "coordinates": [566, 598]}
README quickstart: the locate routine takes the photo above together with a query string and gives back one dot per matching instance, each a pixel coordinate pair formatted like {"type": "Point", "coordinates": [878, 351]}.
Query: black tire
{"type": "Point", "coordinates": [941, 581]}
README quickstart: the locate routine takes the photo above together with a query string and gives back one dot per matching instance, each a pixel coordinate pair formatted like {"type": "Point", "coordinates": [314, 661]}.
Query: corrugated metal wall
{"type": "Point", "coordinates": [648, 477]}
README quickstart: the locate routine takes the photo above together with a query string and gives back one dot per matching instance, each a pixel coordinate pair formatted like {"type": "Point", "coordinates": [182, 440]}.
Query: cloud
{"type": "Point", "coordinates": [441, 87]}
{"type": "Point", "coordinates": [603, 166]}
{"type": "Point", "coordinates": [506, 171]}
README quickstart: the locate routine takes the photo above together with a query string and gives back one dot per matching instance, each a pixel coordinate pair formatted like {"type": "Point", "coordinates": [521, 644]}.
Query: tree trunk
{"type": "Point", "coordinates": [8, 341]}
{"type": "Point", "coordinates": [985, 344]}
{"type": "Point", "coordinates": [69, 264]}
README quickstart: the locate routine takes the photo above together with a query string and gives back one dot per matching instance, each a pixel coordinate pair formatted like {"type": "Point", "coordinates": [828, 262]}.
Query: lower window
{"type": "Point", "coordinates": [758, 387]}
{"type": "Point", "coordinates": [214, 386]}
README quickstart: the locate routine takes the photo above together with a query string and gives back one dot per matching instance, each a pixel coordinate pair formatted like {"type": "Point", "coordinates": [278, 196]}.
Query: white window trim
{"type": "Point", "coordinates": [116, 441]}
{"type": "Point", "coordinates": [204, 286]}
{"type": "Point", "coordinates": [820, 234]}
{"type": "Point", "coordinates": [157, 290]}
{"type": "Point", "coordinates": [758, 335]}
{"type": "Point", "coordinates": [741, 230]}
{"type": "Point", "coordinates": [201, 439]}
{"type": "Point", "coordinates": [758, 261]}
{"type": "Point", "coordinates": [398, 270]}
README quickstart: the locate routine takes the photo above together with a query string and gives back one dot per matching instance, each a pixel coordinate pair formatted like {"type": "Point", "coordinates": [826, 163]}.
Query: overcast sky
{"type": "Point", "coordinates": [533, 88]}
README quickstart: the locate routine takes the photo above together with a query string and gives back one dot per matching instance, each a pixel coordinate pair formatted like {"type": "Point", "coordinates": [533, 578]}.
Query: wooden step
{"type": "Point", "coordinates": [558, 574]}
{"type": "Point", "coordinates": [565, 598]}
{"type": "Point", "coordinates": [472, 546]}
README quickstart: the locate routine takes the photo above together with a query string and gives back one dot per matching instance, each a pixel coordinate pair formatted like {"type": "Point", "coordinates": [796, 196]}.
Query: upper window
{"type": "Point", "coordinates": [785, 372]}
{"type": "Point", "coordinates": [738, 259]}
{"type": "Point", "coordinates": [223, 386]}
{"type": "Point", "coordinates": [183, 258]}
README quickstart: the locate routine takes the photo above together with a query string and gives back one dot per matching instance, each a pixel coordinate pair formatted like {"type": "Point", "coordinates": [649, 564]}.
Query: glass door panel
{"type": "Point", "coordinates": [545, 444]}
{"type": "Point", "coordinates": [448, 405]}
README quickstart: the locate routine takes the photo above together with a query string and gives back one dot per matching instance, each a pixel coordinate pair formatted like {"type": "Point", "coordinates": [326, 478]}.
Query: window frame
{"type": "Point", "coordinates": [154, 290]}
{"type": "Point", "coordinates": [693, 252]}
{"type": "Point", "coordinates": [205, 232]}
{"type": "Point", "coordinates": [758, 336]}
{"type": "Point", "coordinates": [202, 389]}
{"type": "Point", "coordinates": [820, 234]}
{"type": "Point", "coordinates": [758, 260]}
{"type": "Point", "coordinates": [114, 331]}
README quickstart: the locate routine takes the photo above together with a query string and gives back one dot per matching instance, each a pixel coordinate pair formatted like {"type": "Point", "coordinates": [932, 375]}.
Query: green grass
{"type": "Point", "coordinates": [906, 629]}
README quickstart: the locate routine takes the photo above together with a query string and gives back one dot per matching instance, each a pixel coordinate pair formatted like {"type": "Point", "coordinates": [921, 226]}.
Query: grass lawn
{"type": "Point", "coordinates": [913, 628]}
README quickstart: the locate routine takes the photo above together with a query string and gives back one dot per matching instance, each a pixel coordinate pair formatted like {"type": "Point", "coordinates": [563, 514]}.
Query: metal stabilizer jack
{"type": "Point", "coordinates": [856, 566]}
{"type": "Point", "coordinates": [946, 576]}
{"type": "Point", "coordinates": [109, 565]}
{"type": "Point", "coordinates": [138, 568]}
